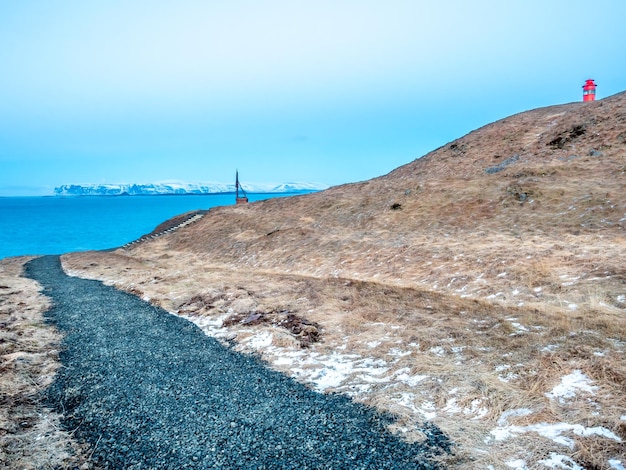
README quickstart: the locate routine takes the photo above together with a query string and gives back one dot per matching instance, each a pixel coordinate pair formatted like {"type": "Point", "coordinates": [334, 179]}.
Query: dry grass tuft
{"type": "Point", "coordinates": [31, 436]}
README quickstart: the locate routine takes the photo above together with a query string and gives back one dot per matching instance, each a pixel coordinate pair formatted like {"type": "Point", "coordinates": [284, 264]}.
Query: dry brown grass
{"type": "Point", "coordinates": [31, 436]}
{"type": "Point", "coordinates": [479, 357]}
{"type": "Point", "coordinates": [451, 293]}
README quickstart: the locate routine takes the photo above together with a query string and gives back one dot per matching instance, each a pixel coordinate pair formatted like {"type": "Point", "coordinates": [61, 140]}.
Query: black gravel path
{"type": "Point", "coordinates": [147, 389]}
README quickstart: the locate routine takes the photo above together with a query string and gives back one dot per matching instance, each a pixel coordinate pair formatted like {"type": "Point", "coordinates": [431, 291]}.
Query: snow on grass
{"type": "Point", "coordinates": [426, 410]}
{"type": "Point", "coordinates": [437, 351]}
{"type": "Point", "coordinates": [555, 432]}
{"type": "Point", "coordinates": [503, 421]}
{"type": "Point", "coordinates": [560, 461]}
{"type": "Point", "coordinates": [260, 340]}
{"type": "Point", "coordinates": [332, 371]}
{"type": "Point", "coordinates": [356, 375]}
{"type": "Point", "coordinates": [474, 409]}
{"type": "Point", "coordinates": [402, 375]}
{"type": "Point", "coordinates": [517, 464]}
{"type": "Point", "coordinates": [211, 326]}
{"type": "Point", "coordinates": [616, 464]}
{"type": "Point", "coordinates": [570, 385]}
{"type": "Point", "coordinates": [399, 353]}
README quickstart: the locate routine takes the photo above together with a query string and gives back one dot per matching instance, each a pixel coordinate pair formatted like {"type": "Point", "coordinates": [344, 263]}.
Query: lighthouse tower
{"type": "Point", "coordinates": [589, 90]}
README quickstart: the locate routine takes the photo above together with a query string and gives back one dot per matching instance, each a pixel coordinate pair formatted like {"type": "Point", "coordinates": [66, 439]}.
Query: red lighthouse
{"type": "Point", "coordinates": [589, 90]}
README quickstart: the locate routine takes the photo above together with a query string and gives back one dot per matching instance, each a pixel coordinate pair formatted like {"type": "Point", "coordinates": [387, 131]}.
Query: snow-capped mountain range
{"type": "Point", "coordinates": [179, 188]}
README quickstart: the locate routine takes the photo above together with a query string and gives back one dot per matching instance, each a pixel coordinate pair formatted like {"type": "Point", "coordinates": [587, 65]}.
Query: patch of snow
{"type": "Point", "coordinates": [407, 400]}
{"type": "Point", "coordinates": [599, 353]}
{"type": "Point", "coordinates": [616, 464]}
{"type": "Point", "coordinates": [570, 384]}
{"type": "Point", "coordinates": [572, 306]}
{"type": "Point", "coordinates": [332, 375]}
{"type": "Point", "coordinates": [398, 353]}
{"type": "Point", "coordinates": [473, 409]}
{"type": "Point", "coordinates": [537, 289]}
{"type": "Point", "coordinates": [260, 340]}
{"type": "Point", "coordinates": [501, 274]}
{"type": "Point", "coordinates": [504, 418]}
{"type": "Point", "coordinates": [452, 406]}
{"type": "Point", "coordinates": [410, 380]}
{"type": "Point", "coordinates": [333, 370]}
{"type": "Point", "coordinates": [517, 464]}
{"type": "Point", "coordinates": [428, 410]}
{"type": "Point", "coordinates": [476, 410]}
{"type": "Point", "coordinates": [283, 361]}
{"type": "Point", "coordinates": [554, 432]}
{"type": "Point", "coordinates": [211, 326]}
{"type": "Point", "coordinates": [621, 298]}
{"type": "Point", "coordinates": [549, 348]}
{"type": "Point", "coordinates": [560, 461]}
{"type": "Point", "coordinates": [508, 376]}
{"type": "Point", "coordinates": [622, 418]}
{"type": "Point", "coordinates": [519, 327]}
{"type": "Point", "coordinates": [437, 351]}
{"type": "Point", "coordinates": [493, 296]}
{"type": "Point", "coordinates": [373, 344]}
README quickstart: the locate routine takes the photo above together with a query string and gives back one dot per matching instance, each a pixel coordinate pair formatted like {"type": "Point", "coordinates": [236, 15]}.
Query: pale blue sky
{"type": "Point", "coordinates": [123, 91]}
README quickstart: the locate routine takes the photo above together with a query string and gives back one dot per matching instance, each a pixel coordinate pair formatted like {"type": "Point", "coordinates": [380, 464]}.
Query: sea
{"type": "Point", "coordinates": [59, 224]}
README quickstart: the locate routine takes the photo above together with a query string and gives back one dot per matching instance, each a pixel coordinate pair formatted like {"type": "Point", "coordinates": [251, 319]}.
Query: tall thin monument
{"type": "Point", "coordinates": [239, 199]}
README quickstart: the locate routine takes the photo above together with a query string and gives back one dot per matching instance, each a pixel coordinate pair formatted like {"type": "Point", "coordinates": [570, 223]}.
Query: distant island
{"type": "Point", "coordinates": [179, 189]}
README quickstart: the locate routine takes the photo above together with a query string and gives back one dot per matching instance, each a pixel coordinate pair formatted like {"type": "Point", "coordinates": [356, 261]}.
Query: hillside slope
{"type": "Point", "coordinates": [464, 288]}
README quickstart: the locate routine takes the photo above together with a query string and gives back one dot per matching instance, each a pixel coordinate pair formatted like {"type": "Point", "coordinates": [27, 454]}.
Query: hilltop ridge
{"type": "Point", "coordinates": [558, 169]}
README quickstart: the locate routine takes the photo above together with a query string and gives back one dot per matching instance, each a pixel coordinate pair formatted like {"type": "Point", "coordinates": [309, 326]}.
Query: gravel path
{"type": "Point", "coordinates": [149, 390]}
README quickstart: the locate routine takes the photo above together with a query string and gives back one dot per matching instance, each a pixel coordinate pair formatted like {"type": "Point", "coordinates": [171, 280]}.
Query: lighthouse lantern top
{"type": "Point", "coordinates": [589, 90]}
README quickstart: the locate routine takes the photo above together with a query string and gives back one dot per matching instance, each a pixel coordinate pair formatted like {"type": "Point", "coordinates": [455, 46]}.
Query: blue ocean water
{"type": "Point", "coordinates": [56, 225]}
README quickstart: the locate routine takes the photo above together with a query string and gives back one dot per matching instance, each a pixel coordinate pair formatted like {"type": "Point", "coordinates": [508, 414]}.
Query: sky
{"type": "Point", "coordinates": [324, 91]}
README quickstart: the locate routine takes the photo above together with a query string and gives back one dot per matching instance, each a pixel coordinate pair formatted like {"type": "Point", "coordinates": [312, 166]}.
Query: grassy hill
{"type": "Point", "coordinates": [480, 287]}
